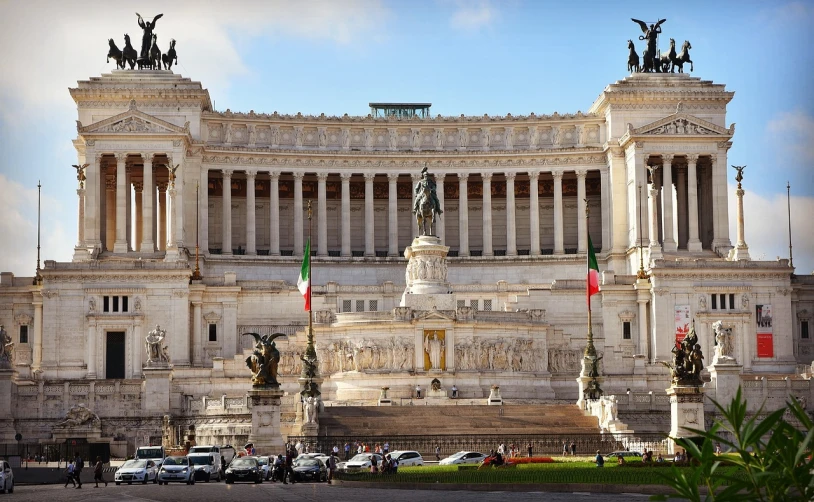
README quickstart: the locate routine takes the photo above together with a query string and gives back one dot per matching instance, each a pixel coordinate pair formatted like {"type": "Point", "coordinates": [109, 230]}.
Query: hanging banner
{"type": "Point", "coordinates": [765, 341]}
{"type": "Point", "coordinates": [682, 322]}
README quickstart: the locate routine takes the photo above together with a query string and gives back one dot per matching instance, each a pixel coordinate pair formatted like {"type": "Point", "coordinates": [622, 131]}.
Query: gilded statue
{"type": "Point", "coordinates": [264, 360]}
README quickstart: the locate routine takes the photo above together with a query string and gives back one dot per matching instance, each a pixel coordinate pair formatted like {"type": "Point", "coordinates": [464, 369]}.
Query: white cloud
{"type": "Point", "coordinates": [793, 132]}
{"type": "Point", "coordinates": [470, 15]}
{"type": "Point", "coordinates": [767, 228]}
{"type": "Point", "coordinates": [18, 227]}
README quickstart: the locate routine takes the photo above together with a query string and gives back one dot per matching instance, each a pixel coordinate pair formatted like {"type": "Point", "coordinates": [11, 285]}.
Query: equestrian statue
{"type": "Point", "coordinates": [426, 207]}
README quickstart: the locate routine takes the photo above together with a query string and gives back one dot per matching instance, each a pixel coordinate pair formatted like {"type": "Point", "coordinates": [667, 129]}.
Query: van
{"type": "Point", "coordinates": [207, 466]}
{"type": "Point", "coordinates": [154, 453]}
{"type": "Point", "coordinates": [221, 457]}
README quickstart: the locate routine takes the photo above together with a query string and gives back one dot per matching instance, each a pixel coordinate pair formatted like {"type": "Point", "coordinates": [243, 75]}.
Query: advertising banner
{"type": "Point", "coordinates": [682, 322]}
{"type": "Point", "coordinates": [763, 319]}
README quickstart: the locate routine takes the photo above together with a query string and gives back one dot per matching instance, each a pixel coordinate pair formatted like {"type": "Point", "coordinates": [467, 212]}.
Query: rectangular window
{"type": "Point", "coordinates": [213, 332]}
{"type": "Point", "coordinates": [346, 306]}
{"type": "Point", "coordinates": [487, 305]}
{"type": "Point", "coordinates": [24, 333]}
{"type": "Point", "coordinates": [803, 330]}
{"type": "Point", "coordinates": [626, 330]}
{"type": "Point", "coordinates": [105, 304]}
{"type": "Point", "coordinates": [124, 304]}
{"type": "Point", "coordinates": [360, 305]}
{"type": "Point", "coordinates": [723, 301]}
{"type": "Point", "coordinates": [731, 302]}
{"type": "Point", "coordinates": [461, 303]}
{"type": "Point", "coordinates": [373, 305]}
{"type": "Point", "coordinates": [115, 304]}
{"type": "Point", "coordinates": [714, 302]}
{"type": "Point", "coordinates": [474, 304]}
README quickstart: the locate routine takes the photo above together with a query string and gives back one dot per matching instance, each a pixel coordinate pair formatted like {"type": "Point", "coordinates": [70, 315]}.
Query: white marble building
{"type": "Point", "coordinates": [513, 190]}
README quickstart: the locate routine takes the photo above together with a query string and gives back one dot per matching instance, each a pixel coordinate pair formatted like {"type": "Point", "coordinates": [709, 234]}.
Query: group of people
{"type": "Point", "coordinates": [74, 472]}
{"type": "Point", "coordinates": [388, 465]}
{"type": "Point", "coordinates": [513, 450]}
{"type": "Point", "coordinates": [569, 449]}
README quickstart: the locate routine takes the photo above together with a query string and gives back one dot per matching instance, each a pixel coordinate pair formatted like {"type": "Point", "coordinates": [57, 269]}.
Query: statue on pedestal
{"type": "Point", "coordinates": [433, 346]}
{"type": "Point", "coordinates": [156, 353]}
{"type": "Point", "coordinates": [6, 348]}
{"type": "Point", "coordinates": [687, 361]}
{"type": "Point", "coordinates": [723, 343]}
{"type": "Point", "coordinates": [264, 360]}
{"type": "Point", "coordinates": [79, 415]}
{"type": "Point", "coordinates": [426, 206]}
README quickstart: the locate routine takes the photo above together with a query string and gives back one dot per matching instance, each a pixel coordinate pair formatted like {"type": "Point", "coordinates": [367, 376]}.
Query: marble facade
{"type": "Point", "coordinates": [513, 189]}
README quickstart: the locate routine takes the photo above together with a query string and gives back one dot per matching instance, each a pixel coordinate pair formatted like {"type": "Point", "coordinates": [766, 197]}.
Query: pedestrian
{"type": "Point", "coordinates": [600, 462]}
{"type": "Point", "coordinates": [573, 449]}
{"type": "Point", "coordinates": [418, 391]}
{"type": "Point", "coordinates": [386, 448]}
{"type": "Point", "coordinates": [565, 448]}
{"type": "Point", "coordinates": [289, 467]}
{"type": "Point", "coordinates": [347, 452]}
{"type": "Point", "coordinates": [717, 448]}
{"type": "Point", "coordinates": [454, 392]}
{"type": "Point", "coordinates": [331, 467]}
{"type": "Point", "coordinates": [529, 448]}
{"type": "Point", "coordinates": [335, 451]}
{"type": "Point", "coordinates": [70, 473]}
{"type": "Point", "coordinates": [438, 452]}
{"type": "Point", "coordinates": [97, 472]}
{"type": "Point", "coordinates": [79, 464]}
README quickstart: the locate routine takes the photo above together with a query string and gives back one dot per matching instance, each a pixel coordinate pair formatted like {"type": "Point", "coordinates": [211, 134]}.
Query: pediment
{"type": "Point", "coordinates": [681, 124]}
{"type": "Point", "coordinates": [434, 315]}
{"type": "Point", "coordinates": [132, 121]}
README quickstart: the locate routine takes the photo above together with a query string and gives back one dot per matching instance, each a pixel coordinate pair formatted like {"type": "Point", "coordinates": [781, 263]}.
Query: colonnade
{"type": "Point", "coordinates": [392, 248]}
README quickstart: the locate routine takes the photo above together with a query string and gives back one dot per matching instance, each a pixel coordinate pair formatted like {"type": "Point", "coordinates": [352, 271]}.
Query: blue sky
{"type": "Point", "coordinates": [466, 57]}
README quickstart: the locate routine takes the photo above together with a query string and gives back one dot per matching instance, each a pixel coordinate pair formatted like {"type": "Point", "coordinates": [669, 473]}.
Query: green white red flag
{"type": "Point", "coordinates": [304, 281]}
{"type": "Point", "coordinates": [593, 272]}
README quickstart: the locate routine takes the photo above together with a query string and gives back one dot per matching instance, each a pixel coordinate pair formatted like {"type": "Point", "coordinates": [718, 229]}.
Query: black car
{"type": "Point", "coordinates": [244, 469]}
{"type": "Point", "coordinates": [310, 469]}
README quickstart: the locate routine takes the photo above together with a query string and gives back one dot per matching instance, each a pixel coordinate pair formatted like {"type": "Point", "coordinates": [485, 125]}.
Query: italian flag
{"type": "Point", "coordinates": [593, 272]}
{"type": "Point", "coordinates": [304, 281]}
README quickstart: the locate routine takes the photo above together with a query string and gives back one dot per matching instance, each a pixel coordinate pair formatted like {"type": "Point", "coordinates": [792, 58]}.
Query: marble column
{"type": "Point", "coordinates": [558, 222]}
{"type": "Point", "coordinates": [643, 294]}
{"type": "Point", "coordinates": [226, 225]}
{"type": "Point", "coordinates": [487, 214]}
{"type": "Point", "coordinates": [392, 214]}
{"type": "Point", "coordinates": [463, 214]}
{"type": "Point", "coordinates": [131, 244]}
{"type": "Point", "coordinates": [606, 209]}
{"type": "Point", "coordinates": [171, 242]}
{"type": "Point", "coordinates": [720, 210]}
{"type": "Point", "coordinates": [94, 201]}
{"type": "Point", "coordinates": [90, 357]}
{"type": "Point", "coordinates": [80, 227]}
{"type": "Point", "coordinates": [203, 212]}
{"type": "Point", "coordinates": [138, 189]}
{"type": "Point", "coordinates": [693, 243]}
{"type": "Point", "coordinates": [274, 213]}
{"type": "Point", "coordinates": [196, 333]}
{"type": "Point", "coordinates": [36, 356]}
{"type": "Point", "coordinates": [346, 251]}
{"type": "Point", "coordinates": [741, 249]}
{"type": "Point", "coordinates": [667, 203]}
{"type": "Point", "coordinates": [440, 227]}
{"type": "Point", "coordinates": [534, 213]}
{"type": "Point", "coordinates": [681, 207]}
{"type": "Point", "coordinates": [370, 227]}
{"type": "Point", "coordinates": [148, 196]}
{"type": "Point", "coordinates": [582, 222]}
{"type": "Point", "coordinates": [298, 215]}
{"type": "Point", "coordinates": [322, 214]}
{"type": "Point", "coordinates": [413, 220]}
{"type": "Point", "coordinates": [511, 224]}
{"type": "Point", "coordinates": [110, 214]}
{"type": "Point", "coordinates": [655, 247]}
{"type": "Point", "coordinates": [251, 216]}
{"type": "Point", "coordinates": [120, 245]}
{"type": "Point", "coordinates": [162, 216]}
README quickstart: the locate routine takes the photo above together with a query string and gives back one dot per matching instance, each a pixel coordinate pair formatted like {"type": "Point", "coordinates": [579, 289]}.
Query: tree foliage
{"type": "Point", "coordinates": [773, 457]}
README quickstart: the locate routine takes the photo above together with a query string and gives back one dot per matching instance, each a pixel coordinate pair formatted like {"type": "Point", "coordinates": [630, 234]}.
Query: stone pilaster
{"type": "Point", "coordinates": [642, 297]}
{"type": "Point", "coordinates": [558, 217]}
{"type": "Point", "coordinates": [413, 220]}
{"type": "Point", "coordinates": [203, 212]}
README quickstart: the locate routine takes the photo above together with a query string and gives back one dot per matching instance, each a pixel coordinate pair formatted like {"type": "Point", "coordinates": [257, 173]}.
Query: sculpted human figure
{"type": "Point", "coordinates": [147, 37]}
{"type": "Point", "coordinates": [310, 408]}
{"type": "Point", "coordinates": [463, 138]}
{"type": "Point", "coordinates": [6, 345]}
{"type": "Point", "coordinates": [426, 183]}
{"type": "Point", "coordinates": [433, 347]}
{"type": "Point", "coordinates": [155, 351]}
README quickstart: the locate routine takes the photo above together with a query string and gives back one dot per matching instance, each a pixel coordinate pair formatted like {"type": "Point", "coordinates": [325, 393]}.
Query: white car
{"type": "Point", "coordinates": [265, 464]}
{"type": "Point", "coordinates": [140, 471]}
{"type": "Point", "coordinates": [463, 457]}
{"type": "Point", "coordinates": [319, 456]}
{"type": "Point", "coordinates": [407, 458]}
{"type": "Point", "coordinates": [176, 469]}
{"type": "Point", "coordinates": [206, 465]}
{"type": "Point", "coordinates": [362, 461]}
{"type": "Point", "coordinates": [6, 477]}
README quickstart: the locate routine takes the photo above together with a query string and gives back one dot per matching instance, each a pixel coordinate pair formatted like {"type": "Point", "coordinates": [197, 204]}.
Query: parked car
{"type": "Point", "coordinates": [624, 454]}
{"type": "Point", "coordinates": [407, 458]}
{"type": "Point", "coordinates": [140, 471]}
{"type": "Point", "coordinates": [154, 453]}
{"type": "Point", "coordinates": [310, 469]}
{"type": "Point", "coordinates": [362, 461]}
{"type": "Point", "coordinates": [177, 469]}
{"type": "Point", "coordinates": [265, 464]}
{"type": "Point", "coordinates": [217, 452]}
{"type": "Point", "coordinates": [463, 457]}
{"type": "Point", "coordinates": [6, 477]}
{"type": "Point", "coordinates": [320, 456]}
{"type": "Point", "coordinates": [206, 465]}
{"type": "Point", "coordinates": [244, 469]}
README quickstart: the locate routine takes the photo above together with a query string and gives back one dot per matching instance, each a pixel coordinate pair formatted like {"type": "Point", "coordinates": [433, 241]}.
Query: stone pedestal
{"type": "Point", "coordinates": [741, 251]}
{"type": "Point", "coordinates": [437, 394]}
{"type": "Point", "coordinates": [686, 412]}
{"type": "Point", "coordinates": [494, 397]}
{"type": "Point", "coordinates": [726, 378]}
{"type": "Point", "coordinates": [265, 405]}
{"type": "Point", "coordinates": [157, 379]}
{"type": "Point", "coordinates": [384, 399]}
{"type": "Point", "coordinates": [6, 418]}
{"type": "Point", "coordinates": [426, 276]}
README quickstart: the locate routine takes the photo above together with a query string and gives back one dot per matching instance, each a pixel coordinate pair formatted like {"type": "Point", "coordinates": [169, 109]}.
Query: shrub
{"type": "Point", "coordinates": [531, 460]}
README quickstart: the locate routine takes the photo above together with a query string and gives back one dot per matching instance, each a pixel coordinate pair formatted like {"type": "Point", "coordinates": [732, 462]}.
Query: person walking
{"type": "Point", "coordinates": [79, 464]}
{"type": "Point", "coordinates": [565, 448]}
{"type": "Point", "coordinates": [70, 472]}
{"type": "Point", "coordinates": [289, 467]}
{"type": "Point", "coordinates": [573, 449]}
{"type": "Point", "coordinates": [331, 467]}
{"type": "Point", "coordinates": [438, 452]}
{"type": "Point", "coordinates": [97, 472]}
{"type": "Point", "coordinates": [530, 449]}
{"type": "Point", "coordinates": [347, 452]}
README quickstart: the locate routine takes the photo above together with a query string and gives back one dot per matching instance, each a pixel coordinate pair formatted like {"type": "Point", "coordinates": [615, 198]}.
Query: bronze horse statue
{"type": "Point", "coordinates": [129, 54]}
{"type": "Point", "coordinates": [632, 58]}
{"type": "Point", "coordinates": [155, 54]}
{"type": "Point", "coordinates": [425, 215]}
{"type": "Point", "coordinates": [116, 54]}
{"type": "Point", "coordinates": [170, 56]}
{"type": "Point", "coordinates": [668, 61]}
{"type": "Point", "coordinates": [683, 57]}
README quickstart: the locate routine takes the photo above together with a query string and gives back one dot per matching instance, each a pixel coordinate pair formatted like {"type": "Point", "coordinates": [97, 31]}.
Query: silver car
{"type": "Point", "coordinates": [179, 469]}
{"type": "Point", "coordinates": [407, 458]}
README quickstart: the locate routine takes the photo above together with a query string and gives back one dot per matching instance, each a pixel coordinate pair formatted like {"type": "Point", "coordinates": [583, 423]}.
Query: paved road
{"type": "Point", "coordinates": [220, 492]}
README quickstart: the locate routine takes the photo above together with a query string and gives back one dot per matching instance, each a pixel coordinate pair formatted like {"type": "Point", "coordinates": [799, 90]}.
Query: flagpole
{"type": "Point", "coordinates": [310, 347]}
{"type": "Point", "coordinates": [590, 350]}
{"type": "Point", "coordinates": [788, 203]}
{"type": "Point", "coordinates": [38, 276]}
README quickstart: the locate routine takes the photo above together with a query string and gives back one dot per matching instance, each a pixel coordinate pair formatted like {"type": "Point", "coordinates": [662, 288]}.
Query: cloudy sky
{"type": "Point", "coordinates": [465, 56]}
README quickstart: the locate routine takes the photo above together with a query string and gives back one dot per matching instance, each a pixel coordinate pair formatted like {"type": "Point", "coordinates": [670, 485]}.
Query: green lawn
{"type": "Point", "coordinates": [569, 472]}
